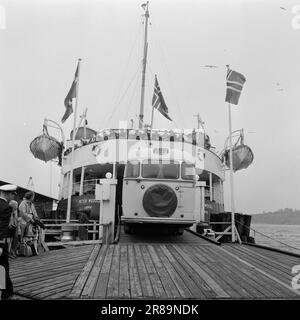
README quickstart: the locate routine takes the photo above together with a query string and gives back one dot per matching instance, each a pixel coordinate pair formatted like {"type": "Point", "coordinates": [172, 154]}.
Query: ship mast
{"type": "Point", "coordinates": [141, 116]}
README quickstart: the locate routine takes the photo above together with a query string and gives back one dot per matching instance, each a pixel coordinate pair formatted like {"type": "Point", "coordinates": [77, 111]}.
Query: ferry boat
{"type": "Point", "coordinates": [164, 176]}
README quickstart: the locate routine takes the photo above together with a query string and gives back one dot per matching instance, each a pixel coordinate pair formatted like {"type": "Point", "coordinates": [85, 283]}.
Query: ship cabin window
{"type": "Point", "coordinates": [132, 169]}
{"type": "Point", "coordinates": [188, 171]}
{"type": "Point", "coordinates": [160, 169]}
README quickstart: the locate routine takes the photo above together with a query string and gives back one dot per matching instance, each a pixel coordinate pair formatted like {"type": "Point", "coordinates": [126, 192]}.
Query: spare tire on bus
{"type": "Point", "coordinates": [160, 201]}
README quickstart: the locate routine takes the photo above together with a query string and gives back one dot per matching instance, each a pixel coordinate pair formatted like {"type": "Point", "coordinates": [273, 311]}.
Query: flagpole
{"type": "Point", "coordinates": [231, 177]}
{"type": "Point", "coordinates": [74, 106]}
{"type": "Point", "coordinates": [141, 116]}
{"type": "Point", "coordinates": [152, 115]}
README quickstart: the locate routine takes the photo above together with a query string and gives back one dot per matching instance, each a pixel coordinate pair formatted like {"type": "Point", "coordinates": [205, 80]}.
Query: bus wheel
{"type": "Point", "coordinates": [180, 231]}
{"type": "Point", "coordinates": [128, 228]}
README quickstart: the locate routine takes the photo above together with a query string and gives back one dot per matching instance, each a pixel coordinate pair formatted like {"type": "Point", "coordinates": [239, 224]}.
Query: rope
{"type": "Point", "coordinates": [268, 236]}
{"type": "Point", "coordinates": [133, 96]}
{"type": "Point", "coordinates": [130, 55]}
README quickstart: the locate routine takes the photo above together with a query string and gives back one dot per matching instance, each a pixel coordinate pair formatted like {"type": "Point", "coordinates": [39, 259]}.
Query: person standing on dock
{"type": "Point", "coordinates": [28, 215]}
{"type": "Point", "coordinates": [7, 193]}
{"type": "Point", "coordinates": [13, 230]}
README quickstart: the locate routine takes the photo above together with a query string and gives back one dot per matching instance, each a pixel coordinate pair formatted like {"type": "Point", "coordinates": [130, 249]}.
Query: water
{"type": "Point", "coordinates": [286, 234]}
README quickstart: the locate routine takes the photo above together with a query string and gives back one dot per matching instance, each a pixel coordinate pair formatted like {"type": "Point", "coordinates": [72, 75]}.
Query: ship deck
{"type": "Point", "coordinates": [156, 267]}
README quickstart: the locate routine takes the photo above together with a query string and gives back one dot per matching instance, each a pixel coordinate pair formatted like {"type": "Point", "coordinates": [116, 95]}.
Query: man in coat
{"type": "Point", "coordinates": [7, 193]}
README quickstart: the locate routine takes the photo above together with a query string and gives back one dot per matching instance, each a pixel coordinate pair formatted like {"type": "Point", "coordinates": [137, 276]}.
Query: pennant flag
{"type": "Point", "coordinates": [71, 94]}
{"type": "Point", "coordinates": [235, 82]}
{"type": "Point", "coordinates": [158, 101]}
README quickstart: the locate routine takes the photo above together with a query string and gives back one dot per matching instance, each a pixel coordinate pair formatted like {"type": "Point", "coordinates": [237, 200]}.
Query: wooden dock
{"type": "Point", "coordinates": [156, 267]}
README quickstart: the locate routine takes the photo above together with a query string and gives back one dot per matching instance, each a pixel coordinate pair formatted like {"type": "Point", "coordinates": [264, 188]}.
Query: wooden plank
{"type": "Point", "coordinates": [113, 282]}
{"type": "Point", "coordinates": [143, 275]}
{"type": "Point", "coordinates": [101, 285]}
{"type": "Point", "coordinates": [51, 253]}
{"type": "Point", "coordinates": [124, 286]}
{"type": "Point", "coordinates": [57, 285]}
{"type": "Point", "coordinates": [60, 295]}
{"type": "Point", "coordinates": [268, 261]}
{"type": "Point", "coordinates": [211, 272]}
{"type": "Point", "coordinates": [265, 265]}
{"type": "Point", "coordinates": [47, 295]}
{"type": "Point", "coordinates": [179, 283]}
{"type": "Point", "coordinates": [275, 289]}
{"type": "Point", "coordinates": [49, 271]}
{"type": "Point", "coordinates": [233, 278]}
{"type": "Point", "coordinates": [246, 275]}
{"type": "Point", "coordinates": [54, 254]}
{"type": "Point", "coordinates": [88, 289]}
{"type": "Point", "coordinates": [195, 291]}
{"type": "Point", "coordinates": [292, 291]}
{"type": "Point", "coordinates": [81, 280]}
{"type": "Point", "coordinates": [36, 261]}
{"type": "Point", "coordinates": [55, 265]}
{"type": "Point", "coordinates": [73, 243]}
{"type": "Point", "coordinates": [135, 286]}
{"type": "Point", "coordinates": [201, 285]}
{"type": "Point", "coordinates": [39, 293]}
{"type": "Point", "coordinates": [45, 283]}
{"type": "Point", "coordinates": [228, 280]}
{"type": "Point", "coordinates": [157, 286]}
{"type": "Point", "coordinates": [204, 275]}
{"type": "Point", "coordinates": [168, 284]}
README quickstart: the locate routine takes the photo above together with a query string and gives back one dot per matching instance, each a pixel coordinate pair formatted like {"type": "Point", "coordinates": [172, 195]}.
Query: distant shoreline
{"type": "Point", "coordinates": [280, 217]}
{"type": "Point", "coordinates": [276, 224]}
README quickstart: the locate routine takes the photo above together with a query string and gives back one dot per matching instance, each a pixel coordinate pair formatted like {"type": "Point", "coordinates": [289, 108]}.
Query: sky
{"type": "Point", "coordinates": [41, 40]}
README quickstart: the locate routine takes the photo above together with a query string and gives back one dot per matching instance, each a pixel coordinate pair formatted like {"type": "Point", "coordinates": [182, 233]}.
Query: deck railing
{"type": "Point", "coordinates": [96, 232]}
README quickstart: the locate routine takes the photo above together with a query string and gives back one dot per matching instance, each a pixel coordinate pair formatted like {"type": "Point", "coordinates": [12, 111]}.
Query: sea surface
{"type": "Point", "coordinates": [284, 237]}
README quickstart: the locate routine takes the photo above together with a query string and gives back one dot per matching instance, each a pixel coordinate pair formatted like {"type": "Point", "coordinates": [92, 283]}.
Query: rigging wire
{"type": "Point", "coordinates": [117, 105]}
{"type": "Point", "coordinates": [158, 45]}
{"type": "Point", "coordinates": [268, 236]}
{"type": "Point", "coordinates": [127, 63]}
{"type": "Point", "coordinates": [133, 96]}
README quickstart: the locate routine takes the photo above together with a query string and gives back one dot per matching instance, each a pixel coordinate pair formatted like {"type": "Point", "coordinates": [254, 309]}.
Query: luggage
{"type": "Point", "coordinates": [24, 250]}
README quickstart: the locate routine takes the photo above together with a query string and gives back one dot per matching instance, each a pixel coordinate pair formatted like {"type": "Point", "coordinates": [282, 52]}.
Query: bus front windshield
{"type": "Point", "coordinates": [160, 169]}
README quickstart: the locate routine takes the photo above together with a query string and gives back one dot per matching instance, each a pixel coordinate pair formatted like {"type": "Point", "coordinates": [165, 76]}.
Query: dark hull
{"type": "Point", "coordinates": [79, 203]}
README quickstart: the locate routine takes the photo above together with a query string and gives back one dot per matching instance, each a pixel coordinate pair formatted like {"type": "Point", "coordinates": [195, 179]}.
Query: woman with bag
{"type": "Point", "coordinates": [28, 227]}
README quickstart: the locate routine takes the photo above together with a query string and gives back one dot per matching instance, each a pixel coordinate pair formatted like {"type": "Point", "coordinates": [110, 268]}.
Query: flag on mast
{"type": "Point", "coordinates": [71, 94]}
{"type": "Point", "coordinates": [234, 82]}
{"type": "Point", "coordinates": [158, 101]}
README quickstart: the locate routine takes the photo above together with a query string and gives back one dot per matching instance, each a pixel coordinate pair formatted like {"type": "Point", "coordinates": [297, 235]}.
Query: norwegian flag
{"type": "Point", "coordinates": [71, 94]}
{"type": "Point", "coordinates": [234, 82]}
{"type": "Point", "coordinates": [158, 101]}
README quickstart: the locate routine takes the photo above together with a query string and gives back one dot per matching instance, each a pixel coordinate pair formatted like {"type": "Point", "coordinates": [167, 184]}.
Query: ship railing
{"type": "Point", "coordinates": [94, 231]}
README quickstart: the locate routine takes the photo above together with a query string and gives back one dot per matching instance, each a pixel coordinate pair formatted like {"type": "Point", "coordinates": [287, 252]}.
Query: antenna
{"type": "Point", "coordinates": [199, 121]}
